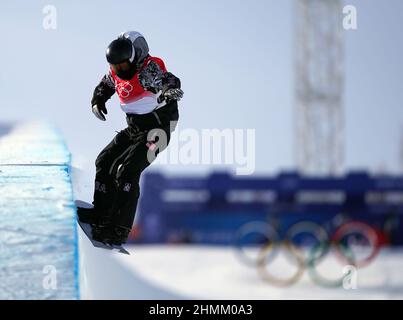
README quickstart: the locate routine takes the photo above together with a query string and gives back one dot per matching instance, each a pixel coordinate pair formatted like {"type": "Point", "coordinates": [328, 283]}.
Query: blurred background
{"type": "Point", "coordinates": [319, 82]}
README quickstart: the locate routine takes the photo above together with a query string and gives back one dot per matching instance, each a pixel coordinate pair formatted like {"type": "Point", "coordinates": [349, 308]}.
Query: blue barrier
{"type": "Point", "coordinates": [210, 209]}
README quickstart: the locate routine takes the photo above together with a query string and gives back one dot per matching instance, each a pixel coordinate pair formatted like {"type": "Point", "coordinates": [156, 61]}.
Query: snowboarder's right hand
{"type": "Point", "coordinates": [99, 111]}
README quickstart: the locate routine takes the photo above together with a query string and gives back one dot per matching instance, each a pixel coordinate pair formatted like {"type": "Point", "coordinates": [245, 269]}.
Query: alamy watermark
{"type": "Point", "coordinates": [234, 147]}
{"type": "Point", "coordinates": [350, 21]}
{"type": "Point", "coordinates": [49, 281]}
{"type": "Point", "coordinates": [350, 280]}
{"type": "Point", "coordinates": [49, 21]}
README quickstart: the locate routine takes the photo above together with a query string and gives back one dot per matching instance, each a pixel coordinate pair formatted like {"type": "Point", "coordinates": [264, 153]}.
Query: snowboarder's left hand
{"type": "Point", "coordinates": [171, 88]}
{"type": "Point", "coordinates": [173, 94]}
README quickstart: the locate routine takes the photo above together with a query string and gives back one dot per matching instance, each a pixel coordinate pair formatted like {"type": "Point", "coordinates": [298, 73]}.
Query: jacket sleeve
{"type": "Point", "coordinates": [155, 78]}
{"type": "Point", "coordinates": [103, 91]}
{"type": "Point", "coordinates": [170, 81]}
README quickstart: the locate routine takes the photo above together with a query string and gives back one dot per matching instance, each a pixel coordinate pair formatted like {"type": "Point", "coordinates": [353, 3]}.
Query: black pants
{"type": "Point", "coordinates": [121, 162]}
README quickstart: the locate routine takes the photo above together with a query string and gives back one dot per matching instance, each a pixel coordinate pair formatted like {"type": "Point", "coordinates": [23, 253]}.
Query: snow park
{"type": "Point", "coordinates": [235, 151]}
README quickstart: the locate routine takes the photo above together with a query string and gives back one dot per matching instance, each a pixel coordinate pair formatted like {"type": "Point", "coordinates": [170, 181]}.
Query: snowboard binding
{"type": "Point", "coordinates": [110, 234]}
{"type": "Point", "coordinates": [103, 228]}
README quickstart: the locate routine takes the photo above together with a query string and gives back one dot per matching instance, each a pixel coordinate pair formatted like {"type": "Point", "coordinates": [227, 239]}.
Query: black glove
{"type": "Point", "coordinates": [99, 110]}
{"type": "Point", "coordinates": [103, 91]}
{"type": "Point", "coordinates": [171, 88]}
{"type": "Point", "coordinates": [172, 94]}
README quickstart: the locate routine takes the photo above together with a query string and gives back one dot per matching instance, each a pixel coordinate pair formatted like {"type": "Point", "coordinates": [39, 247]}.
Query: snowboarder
{"type": "Point", "coordinates": [148, 95]}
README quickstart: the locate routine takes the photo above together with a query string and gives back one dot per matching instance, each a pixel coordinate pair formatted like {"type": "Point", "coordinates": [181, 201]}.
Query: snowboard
{"type": "Point", "coordinates": [87, 229]}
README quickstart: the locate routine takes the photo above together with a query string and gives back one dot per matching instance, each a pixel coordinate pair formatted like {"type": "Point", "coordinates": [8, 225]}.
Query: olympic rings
{"type": "Point", "coordinates": [313, 263]}
{"type": "Point", "coordinates": [267, 233]}
{"type": "Point", "coordinates": [262, 234]}
{"type": "Point", "coordinates": [277, 281]}
{"type": "Point", "coordinates": [305, 227]}
{"type": "Point", "coordinates": [124, 89]}
{"type": "Point", "coordinates": [367, 232]}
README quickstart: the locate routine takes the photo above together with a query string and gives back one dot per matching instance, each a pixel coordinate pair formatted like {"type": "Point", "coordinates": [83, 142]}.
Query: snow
{"type": "Point", "coordinates": [204, 272]}
{"type": "Point", "coordinates": [37, 234]}
{"type": "Point", "coordinates": [105, 275]}
{"type": "Point", "coordinates": [34, 143]}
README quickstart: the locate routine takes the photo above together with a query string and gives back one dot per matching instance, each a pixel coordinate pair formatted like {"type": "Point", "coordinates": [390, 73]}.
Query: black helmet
{"type": "Point", "coordinates": [120, 55]}
{"type": "Point", "coordinates": [119, 51]}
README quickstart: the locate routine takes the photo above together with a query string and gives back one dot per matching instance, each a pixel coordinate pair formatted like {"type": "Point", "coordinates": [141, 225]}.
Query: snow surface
{"type": "Point", "coordinates": [106, 274]}
{"type": "Point", "coordinates": [204, 272]}
{"type": "Point", "coordinates": [37, 233]}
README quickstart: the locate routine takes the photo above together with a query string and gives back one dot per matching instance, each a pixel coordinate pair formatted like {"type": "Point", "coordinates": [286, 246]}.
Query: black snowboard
{"type": "Point", "coordinates": [88, 231]}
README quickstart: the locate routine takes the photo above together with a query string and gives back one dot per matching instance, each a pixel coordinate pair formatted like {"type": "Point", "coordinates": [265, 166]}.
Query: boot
{"type": "Point", "coordinates": [87, 215]}
{"type": "Point", "coordinates": [111, 234]}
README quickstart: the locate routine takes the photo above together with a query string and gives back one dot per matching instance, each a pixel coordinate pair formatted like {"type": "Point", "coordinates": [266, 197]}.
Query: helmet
{"type": "Point", "coordinates": [120, 55]}
{"type": "Point", "coordinates": [119, 51]}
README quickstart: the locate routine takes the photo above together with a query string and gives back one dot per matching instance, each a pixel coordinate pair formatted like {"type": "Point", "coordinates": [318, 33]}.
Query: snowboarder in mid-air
{"type": "Point", "coordinates": [148, 94]}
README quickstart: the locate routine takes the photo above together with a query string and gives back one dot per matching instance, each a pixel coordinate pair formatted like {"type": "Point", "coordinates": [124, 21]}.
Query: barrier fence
{"type": "Point", "coordinates": [210, 210]}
